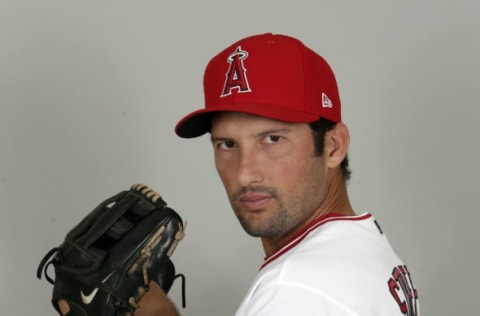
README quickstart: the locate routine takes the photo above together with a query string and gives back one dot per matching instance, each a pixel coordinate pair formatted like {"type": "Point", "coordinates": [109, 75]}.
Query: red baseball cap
{"type": "Point", "coordinates": [270, 75]}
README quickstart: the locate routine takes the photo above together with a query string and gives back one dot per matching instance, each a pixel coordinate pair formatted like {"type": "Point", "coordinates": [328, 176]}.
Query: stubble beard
{"type": "Point", "coordinates": [288, 209]}
{"type": "Point", "coordinates": [269, 223]}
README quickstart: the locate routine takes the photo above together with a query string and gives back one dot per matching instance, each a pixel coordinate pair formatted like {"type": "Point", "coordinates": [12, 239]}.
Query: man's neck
{"type": "Point", "coordinates": [336, 201]}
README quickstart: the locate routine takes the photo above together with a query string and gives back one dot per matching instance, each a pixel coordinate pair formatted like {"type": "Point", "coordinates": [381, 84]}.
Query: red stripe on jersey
{"type": "Point", "coordinates": [300, 235]}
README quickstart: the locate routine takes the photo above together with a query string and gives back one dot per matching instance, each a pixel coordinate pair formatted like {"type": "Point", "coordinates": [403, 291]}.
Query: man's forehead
{"type": "Point", "coordinates": [237, 121]}
{"type": "Point", "coordinates": [244, 117]}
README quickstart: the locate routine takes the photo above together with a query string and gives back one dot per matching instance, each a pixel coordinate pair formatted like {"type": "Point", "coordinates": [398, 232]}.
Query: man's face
{"type": "Point", "coordinates": [274, 181]}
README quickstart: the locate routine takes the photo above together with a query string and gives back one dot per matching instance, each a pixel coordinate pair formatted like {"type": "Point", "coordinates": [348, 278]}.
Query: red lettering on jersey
{"type": "Point", "coordinates": [236, 77]}
{"type": "Point", "coordinates": [404, 293]}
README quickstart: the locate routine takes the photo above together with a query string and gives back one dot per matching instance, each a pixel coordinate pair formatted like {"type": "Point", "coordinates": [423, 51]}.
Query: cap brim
{"type": "Point", "coordinates": [194, 124]}
{"type": "Point", "coordinates": [199, 122]}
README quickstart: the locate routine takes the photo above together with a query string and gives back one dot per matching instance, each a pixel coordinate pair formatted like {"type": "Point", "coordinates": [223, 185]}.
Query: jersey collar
{"type": "Point", "coordinates": [300, 235]}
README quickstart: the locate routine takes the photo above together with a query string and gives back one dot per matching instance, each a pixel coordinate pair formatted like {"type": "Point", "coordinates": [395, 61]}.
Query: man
{"type": "Point", "coordinates": [273, 112]}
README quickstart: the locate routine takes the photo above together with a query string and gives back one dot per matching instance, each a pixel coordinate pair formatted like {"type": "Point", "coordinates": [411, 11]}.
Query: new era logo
{"type": "Point", "coordinates": [326, 102]}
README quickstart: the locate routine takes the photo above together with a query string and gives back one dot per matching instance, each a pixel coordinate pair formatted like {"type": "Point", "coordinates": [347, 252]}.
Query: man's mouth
{"type": "Point", "coordinates": [253, 202]}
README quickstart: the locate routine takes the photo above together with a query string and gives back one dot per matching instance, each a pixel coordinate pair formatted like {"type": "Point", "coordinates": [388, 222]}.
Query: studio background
{"type": "Point", "coordinates": [90, 93]}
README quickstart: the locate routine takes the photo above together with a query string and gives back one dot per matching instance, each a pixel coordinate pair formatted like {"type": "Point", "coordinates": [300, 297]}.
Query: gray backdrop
{"type": "Point", "coordinates": [90, 92]}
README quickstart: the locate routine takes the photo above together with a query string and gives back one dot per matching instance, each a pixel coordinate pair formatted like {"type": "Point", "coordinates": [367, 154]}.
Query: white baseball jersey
{"type": "Point", "coordinates": [336, 266]}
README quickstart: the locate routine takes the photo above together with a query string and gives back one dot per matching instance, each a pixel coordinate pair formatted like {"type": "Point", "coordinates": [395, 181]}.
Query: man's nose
{"type": "Point", "coordinates": [249, 167]}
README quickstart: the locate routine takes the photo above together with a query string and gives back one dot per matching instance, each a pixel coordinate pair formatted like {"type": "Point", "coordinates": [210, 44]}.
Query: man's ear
{"type": "Point", "coordinates": [337, 141]}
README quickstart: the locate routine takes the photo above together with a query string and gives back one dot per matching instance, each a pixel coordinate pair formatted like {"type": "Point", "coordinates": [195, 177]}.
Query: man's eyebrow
{"type": "Point", "coordinates": [275, 131]}
{"type": "Point", "coordinates": [214, 139]}
{"type": "Point", "coordinates": [271, 131]}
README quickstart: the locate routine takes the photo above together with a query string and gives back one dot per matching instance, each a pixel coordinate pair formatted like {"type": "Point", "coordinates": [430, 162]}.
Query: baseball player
{"type": "Point", "coordinates": [273, 112]}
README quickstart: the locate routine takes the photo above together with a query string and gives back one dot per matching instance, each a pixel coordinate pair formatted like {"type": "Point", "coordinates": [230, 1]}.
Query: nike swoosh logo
{"type": "Point", "coordinates": [87, 299]}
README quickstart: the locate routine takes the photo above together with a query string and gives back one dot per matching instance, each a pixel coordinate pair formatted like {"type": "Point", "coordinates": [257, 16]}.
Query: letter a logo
{"type": "Point", "coordinates": [236, 77]}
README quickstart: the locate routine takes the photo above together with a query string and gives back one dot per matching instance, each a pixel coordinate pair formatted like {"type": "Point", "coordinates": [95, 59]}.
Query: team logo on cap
{"type": "Point", "coordinates": [236, 77]}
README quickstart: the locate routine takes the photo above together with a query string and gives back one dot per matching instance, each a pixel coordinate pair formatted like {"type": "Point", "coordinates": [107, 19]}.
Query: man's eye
{"type": "Point", "coordinates": [228, 144]}
{"type": "Point", "coordinates": [272, 139]}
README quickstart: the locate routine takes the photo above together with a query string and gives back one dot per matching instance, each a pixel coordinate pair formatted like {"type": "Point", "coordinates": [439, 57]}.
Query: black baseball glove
{"type": "Point", "coordinates": [106, 262]}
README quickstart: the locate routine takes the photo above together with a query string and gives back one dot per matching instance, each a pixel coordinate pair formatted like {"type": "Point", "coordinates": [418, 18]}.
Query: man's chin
{"type": "Point", "coordinates": [257, 229]}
